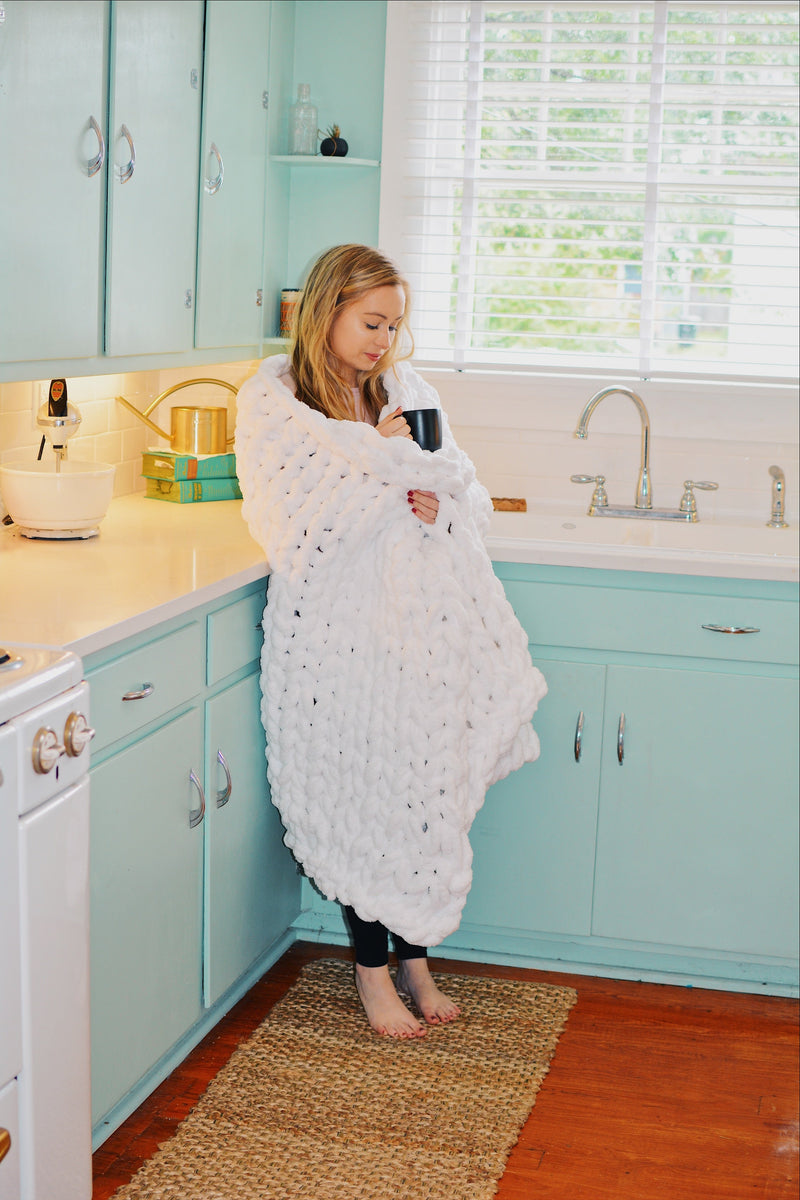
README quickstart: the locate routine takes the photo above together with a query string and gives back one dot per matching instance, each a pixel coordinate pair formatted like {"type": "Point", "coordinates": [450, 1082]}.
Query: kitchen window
{"type": "Point", "coordinates": [580, 187]}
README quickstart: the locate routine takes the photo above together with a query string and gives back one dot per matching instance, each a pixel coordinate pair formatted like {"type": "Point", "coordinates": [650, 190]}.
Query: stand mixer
{"type": "Point", "coordinates": [58, 420]}
{"type": "Point", "coordinates": [61, 499]}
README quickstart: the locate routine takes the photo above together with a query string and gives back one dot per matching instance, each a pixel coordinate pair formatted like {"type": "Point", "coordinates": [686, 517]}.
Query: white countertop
{"type": "Point", "coordinates": [153, 560]}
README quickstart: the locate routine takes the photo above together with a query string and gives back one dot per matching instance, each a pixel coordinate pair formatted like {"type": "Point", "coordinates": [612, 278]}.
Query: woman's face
{"type": "Point", "coordinates": [364, 330]}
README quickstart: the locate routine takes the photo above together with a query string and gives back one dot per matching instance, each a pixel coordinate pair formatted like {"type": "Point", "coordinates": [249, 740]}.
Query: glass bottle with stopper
{"type": "Point", "coordinates": [303, 123]}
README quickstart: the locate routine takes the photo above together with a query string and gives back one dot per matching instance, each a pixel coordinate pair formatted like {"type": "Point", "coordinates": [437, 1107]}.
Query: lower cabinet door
{"type": "Point", "coordinates": [698, 825]}
{"type": "Point", "coordinates": [534, 838]}
{"type": "Point", "coordinates": [146, 905]}
{"type": "Point", "coordinates": [252, 884]}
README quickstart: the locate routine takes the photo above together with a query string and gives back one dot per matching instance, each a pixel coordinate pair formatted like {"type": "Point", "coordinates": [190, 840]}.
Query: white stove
{"type": "Point", "coordinates": [31, 674]}
{"type": "Point", "coordinates": [45, 1110]}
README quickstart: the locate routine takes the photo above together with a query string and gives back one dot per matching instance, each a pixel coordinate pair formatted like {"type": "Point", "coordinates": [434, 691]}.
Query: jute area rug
{"type": "Point", "coordinates": [314, 1104]}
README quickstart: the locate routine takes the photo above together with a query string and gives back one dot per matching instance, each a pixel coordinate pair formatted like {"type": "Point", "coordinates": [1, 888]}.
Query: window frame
{"type": "Point", "coordinates": [391, 240]}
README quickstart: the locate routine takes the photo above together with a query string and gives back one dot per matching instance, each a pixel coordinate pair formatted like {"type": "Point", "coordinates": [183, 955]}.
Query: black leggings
{"type": "Point", "coordinates": [371, 942]}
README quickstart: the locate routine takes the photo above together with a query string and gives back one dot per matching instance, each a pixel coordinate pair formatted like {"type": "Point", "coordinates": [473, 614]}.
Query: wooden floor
{"type": "Point", "coordinates": [655, 1092]}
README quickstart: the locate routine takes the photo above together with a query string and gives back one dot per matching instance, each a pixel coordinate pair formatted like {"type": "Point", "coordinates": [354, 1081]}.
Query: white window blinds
{"type": "Point", "coordinates": [587, 186]}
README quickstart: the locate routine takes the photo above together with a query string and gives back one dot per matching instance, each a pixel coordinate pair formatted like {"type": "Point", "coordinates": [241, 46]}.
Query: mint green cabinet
{"type": "Point", "coordinates": [160, 267]}
{"type": "Point", "coordinates": [233, 171]}
{"type": "Point", "coordinates": [251, 880]}
{"type": "Point", "coordinates": [146, 905]}
{"type": "Point", "coordinates": [697, 838]}
{"type": "Point", "coordinates": [252, 884]}
{"type": "Point", "coordinates": [657, 834]}
{"type": "Point", "coordinates": [192, 889]}
{"type": "Point", "coordinates": [154, 132]}
{"type": "Point", "coordinates": [52, 203]}
{"type": "Point", "coordinates": [536, 830]}
{"type": "Point", "coordinates": [671, 847]}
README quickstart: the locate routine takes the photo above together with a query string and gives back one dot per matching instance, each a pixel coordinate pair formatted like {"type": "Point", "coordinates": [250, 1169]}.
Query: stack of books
{"type": "Point", "coordinates": [186, 479]}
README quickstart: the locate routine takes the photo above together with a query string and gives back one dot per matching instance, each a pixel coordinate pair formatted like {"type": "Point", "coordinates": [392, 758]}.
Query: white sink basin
{"type": "Point", "coordinates": [731, 547]}
{"type": "Point", "coordinates": [46, 503]}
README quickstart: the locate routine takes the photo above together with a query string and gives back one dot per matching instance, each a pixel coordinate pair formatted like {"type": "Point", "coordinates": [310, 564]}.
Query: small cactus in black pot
{"type": "Point", "coordinates": [333, 146]}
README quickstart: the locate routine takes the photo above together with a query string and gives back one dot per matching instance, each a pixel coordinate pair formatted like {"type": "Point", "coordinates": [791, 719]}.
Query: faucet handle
{"type": "Point", "coordinates": [688, 503]}
{"type": "Point", "coordinates": [599, 496]}
{"type": "Point", "coordinates": [777, 518]}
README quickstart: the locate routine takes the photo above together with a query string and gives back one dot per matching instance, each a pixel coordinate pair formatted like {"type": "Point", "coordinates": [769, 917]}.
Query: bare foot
{"type": "Point", "coordinates": [385, 1010]}
{"type": "Point", "coordinates": [414, 977]}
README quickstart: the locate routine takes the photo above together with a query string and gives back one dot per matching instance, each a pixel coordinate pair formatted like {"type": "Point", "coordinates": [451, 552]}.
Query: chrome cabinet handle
{"type": "Point", "coordinates": [212, 186]}
{"type": "Point", "coordinates": [94, 164]}
{"type": "Point", "coordinates": [224, 796]}
{"type": "Point", "coordinates": [579, 736]}
{"type": "Point", "coordinates": [197, 814]}
{"type": "Point", "coordinates": [732, 628]}
{"type": "Point", "coordinates": [146, 690]}
{"type": "Point", "coordinates": [125, 173]}
{"type": "Point", "coordinates": [621, 739]}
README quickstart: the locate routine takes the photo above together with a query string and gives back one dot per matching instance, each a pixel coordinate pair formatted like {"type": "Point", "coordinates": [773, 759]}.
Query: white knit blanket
{"type": "Point", "coordinates": [397, 684]}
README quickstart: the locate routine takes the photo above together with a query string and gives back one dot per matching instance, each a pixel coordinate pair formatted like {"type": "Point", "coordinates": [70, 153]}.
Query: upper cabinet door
{"type": "Point", "coordinates": [52, 122]}
{"type": "Point", "coordinates": [153, 133]}
{"type": "Point", "coordinates": [234, 143]}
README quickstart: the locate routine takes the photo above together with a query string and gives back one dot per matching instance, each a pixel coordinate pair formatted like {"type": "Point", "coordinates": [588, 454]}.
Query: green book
{"type": "Point", "coordinates": [166, 464]}
{"type": "Point", "coordinates": [192, 491]}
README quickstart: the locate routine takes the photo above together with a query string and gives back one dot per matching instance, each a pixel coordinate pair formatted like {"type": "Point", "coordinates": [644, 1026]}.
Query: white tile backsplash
{"type": "Point", "coordinates": [518, 430]}
{"type": "Point", "coordinates": [108, 431]}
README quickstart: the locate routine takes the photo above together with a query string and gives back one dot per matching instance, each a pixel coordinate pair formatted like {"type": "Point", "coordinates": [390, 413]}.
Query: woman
{"type": "Point", "coordinates": [397, 684]}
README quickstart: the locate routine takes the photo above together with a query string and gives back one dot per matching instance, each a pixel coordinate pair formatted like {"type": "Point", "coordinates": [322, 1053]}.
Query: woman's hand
{"type": "Point", "coordinates": [395, 425]}
{"type": "Point", "coordinates": [424, 505]}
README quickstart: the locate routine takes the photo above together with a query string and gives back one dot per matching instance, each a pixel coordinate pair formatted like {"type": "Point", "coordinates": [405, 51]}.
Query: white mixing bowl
{"type": "Point", "coordinates": [46, 503]}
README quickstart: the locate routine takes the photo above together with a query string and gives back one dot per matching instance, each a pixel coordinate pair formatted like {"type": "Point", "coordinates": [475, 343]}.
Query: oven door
{"type": "Point", "coordinates": [10, 1045]}
{"type": "Point", "coordinates": [9, 1142]}
{"type": "Point", "coordinates": [10, 1035]}
{"type": "Point", "coordinates": [55, 1081]}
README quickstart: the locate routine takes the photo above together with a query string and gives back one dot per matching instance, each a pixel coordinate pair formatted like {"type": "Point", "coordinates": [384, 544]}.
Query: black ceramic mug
{"type": "Point", "coordinates": [426, 427]}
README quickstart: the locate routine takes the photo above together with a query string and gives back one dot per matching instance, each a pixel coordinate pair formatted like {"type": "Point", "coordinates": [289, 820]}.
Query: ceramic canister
{"type": "Point", "coordinates": [289, 299]}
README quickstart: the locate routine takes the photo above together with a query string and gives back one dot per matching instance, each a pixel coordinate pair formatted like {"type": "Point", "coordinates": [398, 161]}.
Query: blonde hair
{"type": "Point", "coordinates": [340, 277]}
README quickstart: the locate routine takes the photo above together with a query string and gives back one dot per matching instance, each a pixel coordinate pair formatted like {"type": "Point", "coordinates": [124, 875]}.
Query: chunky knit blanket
{"type": "Point", "coordinates": [396, 680]}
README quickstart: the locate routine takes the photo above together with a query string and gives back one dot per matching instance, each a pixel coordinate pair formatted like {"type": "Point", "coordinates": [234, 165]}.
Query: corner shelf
{"type": "Point", "coordinates": [315, 160]}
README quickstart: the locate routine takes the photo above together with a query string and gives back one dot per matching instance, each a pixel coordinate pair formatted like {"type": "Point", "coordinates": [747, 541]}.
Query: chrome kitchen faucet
{"type": "Point", "coordinates": [644, 498]}
{"type": "Point", "coordinates": [643, 504]}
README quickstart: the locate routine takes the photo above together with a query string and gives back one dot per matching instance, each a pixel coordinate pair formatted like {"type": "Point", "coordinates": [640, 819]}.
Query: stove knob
{"type": "Point", "coordinates": [46, 751]}
{"type": "Point", "coordinates": [77, 734]}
